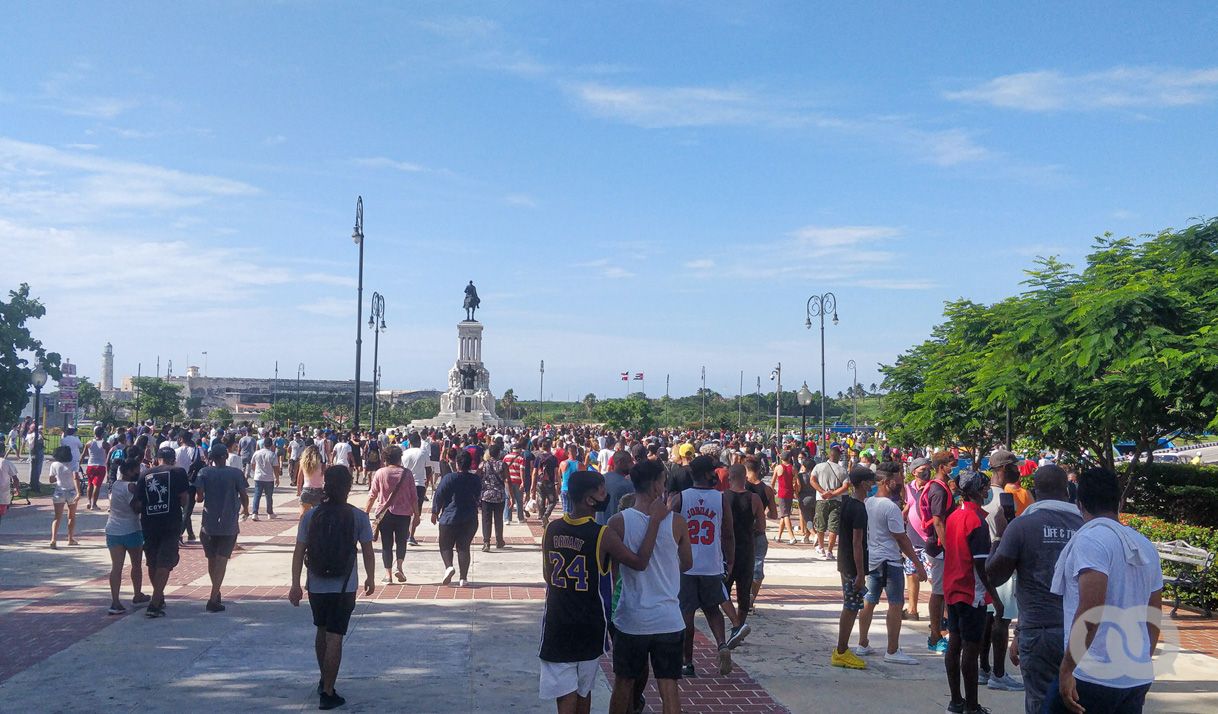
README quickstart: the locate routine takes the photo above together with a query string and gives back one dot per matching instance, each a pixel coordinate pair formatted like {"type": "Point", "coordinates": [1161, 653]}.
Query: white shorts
{"type": "Point", "coordinates": [558, 679]}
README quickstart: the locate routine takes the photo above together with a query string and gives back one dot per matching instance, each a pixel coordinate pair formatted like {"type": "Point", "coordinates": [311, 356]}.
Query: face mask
{"type": "Point", "coordinates": [602, 505]}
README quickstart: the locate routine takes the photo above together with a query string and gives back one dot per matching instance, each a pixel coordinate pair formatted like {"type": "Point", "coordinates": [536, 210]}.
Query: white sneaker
{"type": "Point", "coordinates": [462, 583]}
{"type": "Point", "coordinates": [272, 516]}
{"type": "Point", "coordinates": [448, 575]}
{"type": "Point", "coordinates": [793, 541]}
{"type": "Point", "coordinates": [862, 651]}
{"type": "Point", "coordinates": [1005, 683]}
{"type": "Point", "coordinates": [255, 517]}
{"type": "Point", "coordinates": [899, 657]}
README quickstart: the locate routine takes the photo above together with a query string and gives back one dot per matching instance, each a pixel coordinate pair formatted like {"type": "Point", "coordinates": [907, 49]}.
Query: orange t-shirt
{"type": "Point", "coordinates": [1023, 498]}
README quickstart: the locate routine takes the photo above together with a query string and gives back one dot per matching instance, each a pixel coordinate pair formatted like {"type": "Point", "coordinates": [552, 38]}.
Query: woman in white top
{"type": "Point", "coordinates": [67, 493]}
{"type": "Point", "coordinates": [125, 537]}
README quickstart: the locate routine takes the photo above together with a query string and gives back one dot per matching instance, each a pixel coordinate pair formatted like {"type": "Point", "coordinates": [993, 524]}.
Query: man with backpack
{"type": "Point", "coordinates": [326, 540]}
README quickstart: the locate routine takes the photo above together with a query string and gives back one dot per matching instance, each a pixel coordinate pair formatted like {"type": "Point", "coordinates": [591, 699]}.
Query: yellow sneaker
{"type": "Point", "coordinates": [847, 659]}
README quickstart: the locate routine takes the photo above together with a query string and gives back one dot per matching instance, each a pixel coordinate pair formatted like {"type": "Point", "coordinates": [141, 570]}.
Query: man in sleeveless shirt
{"type": "Point", "coordinates": [576, 553]}
{"type": "Point", "coordinates": [650, 628]}
{"type": "Point", "coordinates": [713, 543]}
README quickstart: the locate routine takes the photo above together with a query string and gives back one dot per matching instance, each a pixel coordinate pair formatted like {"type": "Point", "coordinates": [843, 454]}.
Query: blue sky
{"type": "Point", "coordinates": [633, 186]}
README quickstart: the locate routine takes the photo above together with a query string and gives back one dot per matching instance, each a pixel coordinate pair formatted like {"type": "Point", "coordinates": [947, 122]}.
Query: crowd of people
{"type": "Point", "coordinates": [653, 529]}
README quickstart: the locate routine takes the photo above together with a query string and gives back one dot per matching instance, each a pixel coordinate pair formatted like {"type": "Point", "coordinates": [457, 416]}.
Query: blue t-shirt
{"type": "Point", "coordinates": [363, 534]}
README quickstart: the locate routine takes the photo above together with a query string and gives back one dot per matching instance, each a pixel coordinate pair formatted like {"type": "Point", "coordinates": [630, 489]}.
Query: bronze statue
{"type": "Point", "coordinates": [468, 374]}
{"type": "Point", "coordinates": [471, 301]}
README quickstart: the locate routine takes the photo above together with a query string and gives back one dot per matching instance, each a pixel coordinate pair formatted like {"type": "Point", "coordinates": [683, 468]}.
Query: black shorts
{"type": "Point", "coordinates": [422, 491]}
{"type": "Point", "coordinates": [632, 652]}
{"type": "Point", "coordinates": [966, 621]}
{"type": "Point", "coordinates": [161, 549]}
{"type": "Point", "coordinates": [217, 545]}
{"type": "Point", "coordinates": [807, 509]}
{"type": "Point", "coordinates": [332, 610]}
{"type": "Point", "coordinates": [701, 592]}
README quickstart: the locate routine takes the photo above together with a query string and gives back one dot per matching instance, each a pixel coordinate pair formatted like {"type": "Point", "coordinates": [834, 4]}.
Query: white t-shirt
{"type": "Point", "coordinates": [883, 520]}
{"type": "Point", "coordinates": [185, 456]}
{"type": "Point", "coordinates": [1129, 589]}
{"type": "Point", "coordinates": [234, 460]}
{"type": "Point", "coordinates": [74, 443]}
{"type": "Point", "coordinates": [603, 458]}
{"type": "Point", "coordinates": [265, 462]}
{"type": "Point", "coordinates": [416, 459]}
{"type": "Point", "coordinates": [97, 452]}
{"type": "Point", "coordinates": [342, 453]}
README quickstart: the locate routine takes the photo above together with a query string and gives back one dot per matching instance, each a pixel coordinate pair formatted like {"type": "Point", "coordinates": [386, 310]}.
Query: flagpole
{"type": "Point", "coordinates": [666, 421]}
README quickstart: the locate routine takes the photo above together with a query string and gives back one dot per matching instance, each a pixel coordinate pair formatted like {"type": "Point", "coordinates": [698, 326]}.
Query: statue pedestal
{"type": "Point", "coordinates": [468, 401]}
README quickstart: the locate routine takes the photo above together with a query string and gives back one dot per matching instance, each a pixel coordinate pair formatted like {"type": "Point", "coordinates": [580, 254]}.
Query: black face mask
{"type": "Point", "coordinates": [602, 505]}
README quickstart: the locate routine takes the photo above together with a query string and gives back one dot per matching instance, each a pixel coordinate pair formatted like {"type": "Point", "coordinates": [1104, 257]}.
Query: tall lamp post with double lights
{"type": "Point", "coordinates": [804, 395]}
{"type": "Point", "coordinates": [357, 235]}
{"type": "Point", "coordinates": [541, 395]}
{"type": "Point", "coordinates": [819, 306]}
{"type": "Point", "coordinates": [854, 388]}
{"type": "Point", "coordinates": [376, 321]}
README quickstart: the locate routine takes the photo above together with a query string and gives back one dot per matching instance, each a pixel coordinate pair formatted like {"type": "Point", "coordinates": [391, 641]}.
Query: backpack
{"type": "Point", "coordinates": [330, 544]}
{"type": "Point", "coordinates": [196, 465]}
{"type": "Point", "coordinates": [117, 455]}
{"type": "Point", "coordinates": [924, 510]}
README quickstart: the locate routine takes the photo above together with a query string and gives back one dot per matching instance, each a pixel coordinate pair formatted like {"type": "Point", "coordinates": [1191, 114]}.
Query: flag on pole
{"type": "Point", "coordinates": [625, 376]}
{"type": "Point", "coordinates": [638, 375]}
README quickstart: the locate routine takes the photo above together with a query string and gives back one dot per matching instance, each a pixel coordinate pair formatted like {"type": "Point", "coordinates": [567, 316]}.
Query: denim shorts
{"type": "Point", "coordinates": [889, 578]}
{"type": "Point", "coordinates": [127, 540]}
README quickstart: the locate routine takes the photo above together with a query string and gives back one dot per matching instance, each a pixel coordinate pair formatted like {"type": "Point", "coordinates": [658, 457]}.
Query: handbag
{"type": "Point", "coordinates": [384, 510]}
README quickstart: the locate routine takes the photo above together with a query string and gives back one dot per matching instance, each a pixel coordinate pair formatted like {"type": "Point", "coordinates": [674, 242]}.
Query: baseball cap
{"type": "Point", "coordinates": [973, 483]}
{"type": "Point", "coordinates": [1001, 457]}
{"type": "Point", "coordinates": [918, 463]}
{"type": "Point", "coordinates": [686, 451]}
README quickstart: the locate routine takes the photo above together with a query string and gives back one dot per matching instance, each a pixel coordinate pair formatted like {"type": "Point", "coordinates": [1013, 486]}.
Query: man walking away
{"type": "Point", "coordinates": [648, 618]}
{"type": "Point", "coordinates": [327, 537]}
{"type": "Point", "coordinates": [1105, 570]}
{"type": "Point", "coordinates": [712, 538]}
{"type": "Point", "coordinates": [1029, 548]}
{"type": "Point", "coordinates": [829, 480]}
{"type": "Point", "coordinates": [266, 477]}
{"type": "Point", "coordinates": [221, 490]}
{"type": "Point", "coordinates": [417, 460]}
{"type": "Point", "coordinates": [966, 592]}
{"type": "Point", "coordinates": [161, 494]}
{"type": "Point", "coordinates": [852, 564]}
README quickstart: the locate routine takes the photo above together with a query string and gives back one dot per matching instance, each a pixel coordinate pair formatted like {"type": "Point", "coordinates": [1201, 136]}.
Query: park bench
{"type": "Point", "coordinates": [1191, 577]}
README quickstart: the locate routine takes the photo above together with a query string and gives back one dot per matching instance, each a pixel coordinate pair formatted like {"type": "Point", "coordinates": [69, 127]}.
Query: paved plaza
{"type": "Point", "coordinates": [422, 647]}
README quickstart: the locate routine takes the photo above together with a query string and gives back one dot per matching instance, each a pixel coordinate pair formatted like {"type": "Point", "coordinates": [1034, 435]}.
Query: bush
{"type": "Point", "coordinates": [1181, 493]}
{"type": "Point", "coordinates": [1159, 530]}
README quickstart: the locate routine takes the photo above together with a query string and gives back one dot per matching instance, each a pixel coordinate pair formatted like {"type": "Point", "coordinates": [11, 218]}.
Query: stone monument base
{"type": "Point", "coordinates": [468, 401]}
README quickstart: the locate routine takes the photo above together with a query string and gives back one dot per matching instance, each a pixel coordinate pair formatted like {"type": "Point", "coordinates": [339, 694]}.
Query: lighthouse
{"type": "Point", "coordinates": [107, 370]}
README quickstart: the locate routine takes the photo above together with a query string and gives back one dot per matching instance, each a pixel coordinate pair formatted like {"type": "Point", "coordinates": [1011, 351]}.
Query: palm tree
{"type": "Point", "coordinates": [589, 402]}
{"type": "Point", "coordinates": [508, 400]}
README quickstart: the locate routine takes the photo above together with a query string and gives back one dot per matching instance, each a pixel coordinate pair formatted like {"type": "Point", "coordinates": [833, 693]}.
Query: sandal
{"type": "Point", "coordinates": [400, 576]}
{"type": "Point", "coordinates": [53, 546]}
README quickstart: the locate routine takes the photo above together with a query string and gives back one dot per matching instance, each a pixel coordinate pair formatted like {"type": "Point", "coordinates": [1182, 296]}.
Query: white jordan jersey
{"type": "Point", "coordinates": [703, 511]}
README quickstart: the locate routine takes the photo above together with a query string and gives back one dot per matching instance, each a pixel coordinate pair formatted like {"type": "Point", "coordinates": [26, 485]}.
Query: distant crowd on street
{"type": "Point", "coordinates": [642, 531]}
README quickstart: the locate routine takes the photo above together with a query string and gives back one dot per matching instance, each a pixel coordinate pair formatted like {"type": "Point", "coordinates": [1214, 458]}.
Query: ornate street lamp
{"type": "Point", "coordinates": [819, 306]}
{"type": "Point", "coordinates": [804, 395]}
{"type": "Point", "coordinates": [376, 322]}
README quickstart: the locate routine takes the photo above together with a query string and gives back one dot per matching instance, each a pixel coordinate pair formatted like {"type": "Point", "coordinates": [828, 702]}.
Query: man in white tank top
{"type": "Point", "coordinates": [713, 543]}
{"type": "Point", "coordinates": [648, 614]}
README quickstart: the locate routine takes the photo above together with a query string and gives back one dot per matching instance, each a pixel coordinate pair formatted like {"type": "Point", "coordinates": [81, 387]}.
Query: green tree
{"type": "Point", "coordinates": [158, 399]}
{"type": "Point", "coordinates": [589, 402]}
{"type": "Point", "coordinates": [630, 413]}
{"type": "Point", "coordinates": [87, 396]}
{"type": "Point", "coordinates": [16, 343]}
{"type": "Point", "coordinates": [221, 416]}
{"type": "Point", "coordinates": [507, 401]}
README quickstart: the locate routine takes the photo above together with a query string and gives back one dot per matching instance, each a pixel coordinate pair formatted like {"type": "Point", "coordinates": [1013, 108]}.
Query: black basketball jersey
{"type": "Point", "coordinates": [579, 592]}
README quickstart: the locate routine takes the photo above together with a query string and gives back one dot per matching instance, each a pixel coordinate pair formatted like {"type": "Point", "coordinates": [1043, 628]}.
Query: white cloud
{"type": "Point", "coordinates": [330, 307]}
{"type": "Point", "coordinates": [606, 268]}
{"type": "Point", "coordinates": [461, 28]}
{"type": "Point", "coordinates": [700, 265]}
{"type": "Point", "coordinates": [666, 107]}
{"type": "Point", "coordinates": [522, 200]}
{"type": "Point", "coordinates": [275, 140]}
{"type": "Point", "coordinates": [67, 92]}
{"type": "Point", "coordinates": [832, 237]}
{"type": "Point", "coordinates": [1116, 88]}
{"type": "Point", "coordinates": [67, 186]}
{"type": "Point", "coordinates": [383, 162]}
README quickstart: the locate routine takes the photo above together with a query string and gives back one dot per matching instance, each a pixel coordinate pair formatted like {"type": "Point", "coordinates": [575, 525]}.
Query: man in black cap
{"type": "Point", "coordinates": [161, 495]}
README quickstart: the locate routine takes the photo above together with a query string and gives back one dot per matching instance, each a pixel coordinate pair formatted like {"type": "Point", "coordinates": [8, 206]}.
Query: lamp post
{"type": "Point", "coordinates": [704, 398]}
{"type": "Point", "coordinates": [39, 379]}
{"type": "Point", "coordinates": [357, 235]}
{"type": "Point", "coordinates": [776, 376]}
{"type": "Point", "coordinates": [376, 321]}
{"type": "Point", "coordinates": [204, 363]}
{"type": "Point", "coordinates": [854, 414]}
{"type": "Point", "coordinates": [804, 395]}
{"type": "Point", "coordinates": [819, 306]}
{"type": "Point", "coordinates": [541, 395]}
{"type": "Point", "coordinates": [300, 370]}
